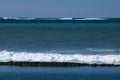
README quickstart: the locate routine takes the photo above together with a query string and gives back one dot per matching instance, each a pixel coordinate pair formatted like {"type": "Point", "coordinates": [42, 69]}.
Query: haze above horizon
{"type": "Point", "coordinates": [59, 8]}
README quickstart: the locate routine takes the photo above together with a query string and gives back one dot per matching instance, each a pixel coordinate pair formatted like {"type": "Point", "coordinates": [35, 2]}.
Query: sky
{"type": "Point", "coordinates": [60, 8]}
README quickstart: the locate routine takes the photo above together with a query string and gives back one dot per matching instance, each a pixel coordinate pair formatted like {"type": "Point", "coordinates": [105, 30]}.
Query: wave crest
{"type": "Point", "coordinates": [6, 56]}
{"type": "Point", "coordinates": [62, 18]}
{"type": "Point", "coordinates": [90, 18]}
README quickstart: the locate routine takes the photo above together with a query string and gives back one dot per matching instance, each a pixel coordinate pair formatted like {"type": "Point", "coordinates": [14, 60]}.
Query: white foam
{"type": "Point", "coordinates": [62, 18]}
{"type": "Point", "coordinates": [91, 18]}
{"type": "Point", "coordinates": [65, 18]}
{"type": "Point", "coordinates": [54, 57]}
{"type": "Point", "coordinates": [19, 18]}
{"type": "Point", "coordinates": [103, 50]}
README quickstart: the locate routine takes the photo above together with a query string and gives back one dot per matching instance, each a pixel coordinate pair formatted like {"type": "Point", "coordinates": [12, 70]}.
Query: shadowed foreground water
{"type": "Point", "coordinates": [59, 73]}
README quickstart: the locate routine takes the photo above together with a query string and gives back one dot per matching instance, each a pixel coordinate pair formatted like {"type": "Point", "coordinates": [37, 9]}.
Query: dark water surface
{"type": "Point", "coordinates": [59, 73]}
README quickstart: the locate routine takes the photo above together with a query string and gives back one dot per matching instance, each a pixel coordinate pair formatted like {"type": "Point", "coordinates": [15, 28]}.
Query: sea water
{"type": "Point", "coordinates": [78, 40]}
{"type": "Point", "coordinates": [59, 73]}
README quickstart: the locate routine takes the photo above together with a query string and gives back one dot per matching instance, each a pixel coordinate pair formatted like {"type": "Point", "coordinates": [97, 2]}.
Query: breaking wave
{"type": "Point", "coordinates": [90, 19]}
{"type": "Point", "coordinates": [63, 18]}
{"type": "Point", "coordinates": [6, 56]}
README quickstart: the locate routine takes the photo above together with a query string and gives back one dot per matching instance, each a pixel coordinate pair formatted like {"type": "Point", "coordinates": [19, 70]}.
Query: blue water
{"type": "Point", "coordinates": [71, 37]}
{"type": "Point", "coordinates": [59, 73]}
{"type": "Point", "coordinates": [58, 36]}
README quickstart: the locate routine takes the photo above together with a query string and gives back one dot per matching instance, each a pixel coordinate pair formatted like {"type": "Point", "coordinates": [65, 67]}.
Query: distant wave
{"type": "Point", "coordinates": [87, 18]}
{"type": "Point", "coordinates": [18, 18]}
{"type": "Point", "coordinates": [6, 56]}
{"type": "Point", "coordinates": [90, 19]}
{"type": "Point", "coordinates": [65, 18]}
{"type": "Point", "coordinates": [30, 18]}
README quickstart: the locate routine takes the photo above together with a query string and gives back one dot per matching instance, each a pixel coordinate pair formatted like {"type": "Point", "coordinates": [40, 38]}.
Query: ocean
{"type": "Point", "coordinates": [75, 40]}
{"type": "Point", "coordinates": [59, 73]}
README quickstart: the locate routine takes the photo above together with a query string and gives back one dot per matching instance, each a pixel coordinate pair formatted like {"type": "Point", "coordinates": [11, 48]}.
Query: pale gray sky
{"type": "Point", "coordinates": [60, 8]}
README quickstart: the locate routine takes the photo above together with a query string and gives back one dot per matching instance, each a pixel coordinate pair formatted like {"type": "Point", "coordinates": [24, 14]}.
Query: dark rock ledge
{"type": "Point", "coordinates": [53, 64]}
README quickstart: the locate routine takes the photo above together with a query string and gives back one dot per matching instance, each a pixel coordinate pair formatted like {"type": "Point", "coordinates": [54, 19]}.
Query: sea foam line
{"type": "Point", "coordinates": [62, 18]}
{"type": "Point", "coordinates": [6, 56]}
{"type": "Point", "coordinates": [92, 18]}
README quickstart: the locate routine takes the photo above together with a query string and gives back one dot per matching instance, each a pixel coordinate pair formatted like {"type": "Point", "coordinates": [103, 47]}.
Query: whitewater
{"type": "Point", "coordinates": [6, 56]}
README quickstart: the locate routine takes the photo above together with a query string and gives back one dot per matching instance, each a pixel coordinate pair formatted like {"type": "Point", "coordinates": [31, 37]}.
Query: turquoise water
{"type": "Point", "coordinates": [58, 36]}
{"type": "Point", "coordinates": [59, 73]}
